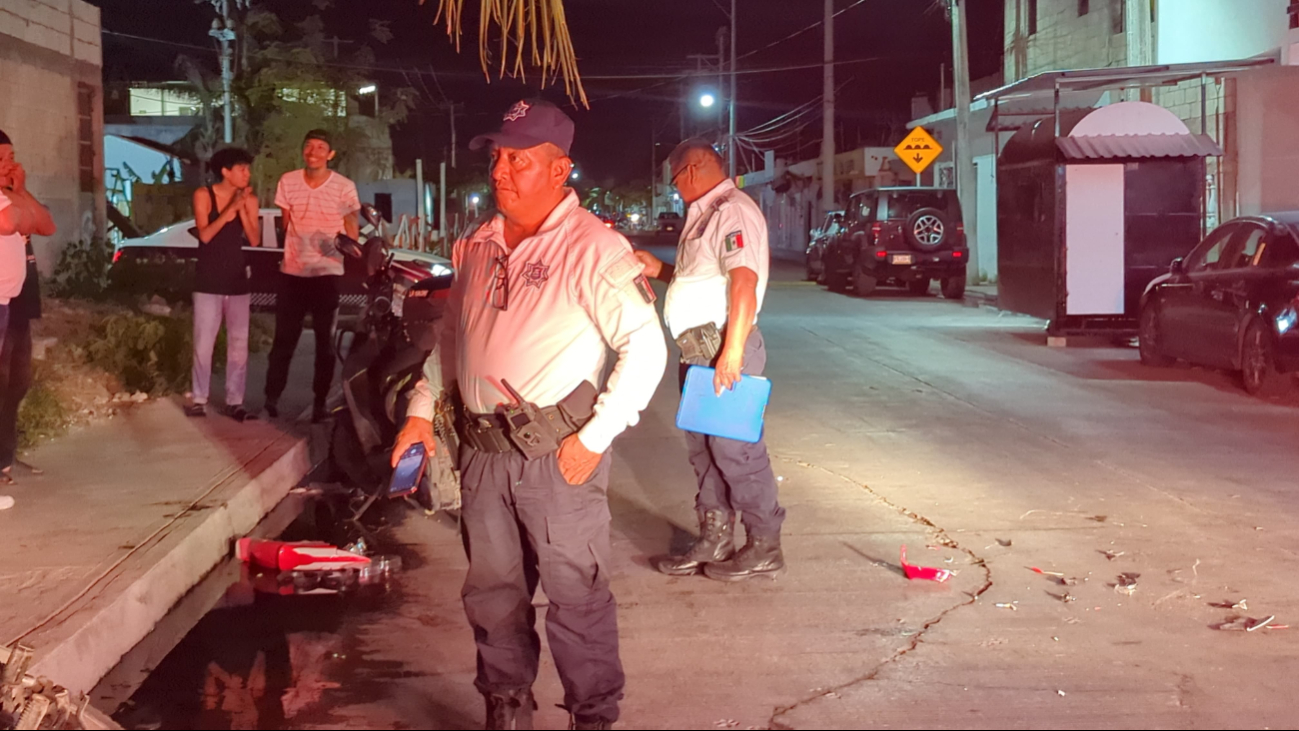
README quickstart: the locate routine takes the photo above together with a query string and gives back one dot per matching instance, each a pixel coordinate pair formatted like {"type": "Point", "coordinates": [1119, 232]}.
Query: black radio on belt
{"type": "Point", "coordinates": [699, 345]}
{"type": "Point", "coordinates": [527, 428]}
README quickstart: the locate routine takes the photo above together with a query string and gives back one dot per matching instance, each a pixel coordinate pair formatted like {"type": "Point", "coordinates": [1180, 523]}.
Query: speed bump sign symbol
{"type": "Point", "coordinates": [918, 150]}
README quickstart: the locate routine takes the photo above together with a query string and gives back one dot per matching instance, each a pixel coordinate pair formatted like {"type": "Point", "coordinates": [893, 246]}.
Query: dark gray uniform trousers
{"type": "Point", "coordinates": [736, 476]}
{"type": "Point", "coordinates": [523, 523]}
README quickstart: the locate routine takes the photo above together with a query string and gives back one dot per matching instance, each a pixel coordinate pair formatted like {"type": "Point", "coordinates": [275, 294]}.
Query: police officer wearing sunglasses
{"type": "Point", "coordinates": [543, 292]}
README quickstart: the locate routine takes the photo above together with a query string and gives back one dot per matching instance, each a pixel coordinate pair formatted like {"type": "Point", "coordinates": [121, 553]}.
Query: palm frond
{"type": "Point", "coordinates": [532, 32]}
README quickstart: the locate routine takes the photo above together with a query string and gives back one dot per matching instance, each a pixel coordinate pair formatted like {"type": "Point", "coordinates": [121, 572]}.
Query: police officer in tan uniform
{"type": "Point", "coordinates": [715, 292]}
{"type": "Point", "coordinates": [543, 292]}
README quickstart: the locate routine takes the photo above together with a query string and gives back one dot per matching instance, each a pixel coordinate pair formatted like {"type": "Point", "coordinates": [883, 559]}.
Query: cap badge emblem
{"type": "Point", "coordinates": [517, 112]}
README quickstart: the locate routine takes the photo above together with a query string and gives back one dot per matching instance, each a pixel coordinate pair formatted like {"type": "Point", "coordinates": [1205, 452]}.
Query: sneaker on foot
{"type": "Point", "coordinates": [238, 413]}
{"type": "Point", "coordinates": [196, 410]}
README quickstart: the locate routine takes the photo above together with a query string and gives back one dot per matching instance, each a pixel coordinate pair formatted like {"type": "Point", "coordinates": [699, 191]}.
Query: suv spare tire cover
{"type": "Point", "coordinates": [927, 229]}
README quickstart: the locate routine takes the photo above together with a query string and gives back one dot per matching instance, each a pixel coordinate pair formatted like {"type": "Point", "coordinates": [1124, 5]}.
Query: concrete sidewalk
{"type": "Point", "coordinates": [130, 514]}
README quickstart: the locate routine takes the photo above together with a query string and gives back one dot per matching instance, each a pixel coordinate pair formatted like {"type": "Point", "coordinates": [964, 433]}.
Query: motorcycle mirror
{"type": "Point", "coordinates": [1177, 267]}
{"type": "Point", "coordinates": [371, 214]}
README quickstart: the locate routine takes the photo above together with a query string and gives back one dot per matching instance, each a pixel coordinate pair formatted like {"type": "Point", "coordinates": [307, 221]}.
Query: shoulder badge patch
{"type": "Point", "coordinates": [734, 241]}
{"type": "Point", "coordinates": [645, 290]}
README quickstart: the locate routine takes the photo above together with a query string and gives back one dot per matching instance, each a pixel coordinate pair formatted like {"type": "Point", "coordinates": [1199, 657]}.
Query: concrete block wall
{"type": "Point", "coordinates": [48, 49]}
{"type": "Point", "coordinates": [1064, 39]}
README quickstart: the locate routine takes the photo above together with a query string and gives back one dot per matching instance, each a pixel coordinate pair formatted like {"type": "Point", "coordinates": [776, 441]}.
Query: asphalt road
{"type": "Point", "coordinates": [953, 431]}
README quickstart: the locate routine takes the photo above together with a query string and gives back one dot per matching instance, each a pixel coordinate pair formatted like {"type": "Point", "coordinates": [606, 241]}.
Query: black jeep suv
{"type": "Point", "coordinates": [908, 236]}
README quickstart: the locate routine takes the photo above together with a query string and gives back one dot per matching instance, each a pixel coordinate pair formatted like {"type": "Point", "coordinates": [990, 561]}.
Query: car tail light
{"type": "Point", "coordinates": [881, 254]}
{"type": "Point", "coordinates": [958, 254]}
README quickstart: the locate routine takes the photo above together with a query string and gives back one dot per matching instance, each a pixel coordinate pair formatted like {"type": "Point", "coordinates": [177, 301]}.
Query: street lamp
{"type": "Point", "coordinates": [707, 100]}
{"type": "Point", "coordinates": [575, 176]}
{"type": "Point", "coordinates": [367, 91]}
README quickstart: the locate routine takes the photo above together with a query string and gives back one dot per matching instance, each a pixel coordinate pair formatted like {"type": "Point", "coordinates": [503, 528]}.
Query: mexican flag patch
{"type": "Point", "coordinates": [734, 242]}
{"type": "Point", "coordinates": [645, 290]}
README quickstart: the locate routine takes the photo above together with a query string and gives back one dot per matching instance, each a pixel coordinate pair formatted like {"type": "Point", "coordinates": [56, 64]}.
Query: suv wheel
{"type": "Point", "coordinates": [918, 287]}
{"type": "Point", "coordinates": [926, 229]}
{"type": "Point", "coordinates": [954, 287]}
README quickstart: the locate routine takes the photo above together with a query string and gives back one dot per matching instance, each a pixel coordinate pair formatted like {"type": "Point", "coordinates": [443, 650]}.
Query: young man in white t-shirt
{"type": "Point", "coordinates": [21, 216]}
{"type": "Point", "coordinates": [318, 204]}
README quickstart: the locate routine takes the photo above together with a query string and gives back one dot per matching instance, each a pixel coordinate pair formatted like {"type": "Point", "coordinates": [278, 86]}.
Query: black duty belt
{"type": "Point", "coordinates": [491, 433]}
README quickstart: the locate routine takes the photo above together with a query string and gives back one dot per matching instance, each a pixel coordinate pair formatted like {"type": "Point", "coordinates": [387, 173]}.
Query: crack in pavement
{"type": "Point", "coordinates": [941, 536]}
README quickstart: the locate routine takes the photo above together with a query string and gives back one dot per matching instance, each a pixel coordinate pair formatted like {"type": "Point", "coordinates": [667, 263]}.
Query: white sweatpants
{"type": "Point", "coordinates": [209, 311]}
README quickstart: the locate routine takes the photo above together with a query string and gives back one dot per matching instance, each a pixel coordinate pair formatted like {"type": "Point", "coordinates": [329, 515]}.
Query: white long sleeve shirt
{"type": "Point", "coordinates": [572, 292]}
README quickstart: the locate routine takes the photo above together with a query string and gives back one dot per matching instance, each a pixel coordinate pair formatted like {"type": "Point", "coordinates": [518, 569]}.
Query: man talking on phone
{"type": "Point", "coordinates": [543, 292]}
{"type": "Point", "coordinates": [714, 294]}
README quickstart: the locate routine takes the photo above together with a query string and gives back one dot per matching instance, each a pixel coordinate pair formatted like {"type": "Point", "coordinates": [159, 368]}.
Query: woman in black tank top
{"type": "Point", "coordinates": [228, 219]}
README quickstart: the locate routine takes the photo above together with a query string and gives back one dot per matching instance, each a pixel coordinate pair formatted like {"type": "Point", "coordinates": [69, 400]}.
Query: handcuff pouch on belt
{"type": "Point", "coordinates": [532, 430]}
{"type": "Point", "coordinates": [699, 345]}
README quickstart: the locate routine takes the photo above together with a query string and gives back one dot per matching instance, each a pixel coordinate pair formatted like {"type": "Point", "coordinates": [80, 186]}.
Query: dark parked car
{"type": "Point", "coordinates": [670, 222]}
{"type": "Point", "coordinates": [1231, 303]}
{"type": "Point", "coordinates": [907, 236]}
{"type": "Point", "coordinates": [819, 237]}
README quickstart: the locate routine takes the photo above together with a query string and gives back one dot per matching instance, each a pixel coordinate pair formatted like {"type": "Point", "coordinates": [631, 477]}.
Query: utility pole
{"type": "Point", "coordinates": [827, 114]}
{"type": "Point", "coordinates": [453, 135]}
{"type": "Point", "coordinates": [964, 154]}
{"type": "Point", "coordinates": [654, 192]}
{"type": "Point", "coordinates": [224, 31]}
{"type": "Point", "coordinates": [730, 134]}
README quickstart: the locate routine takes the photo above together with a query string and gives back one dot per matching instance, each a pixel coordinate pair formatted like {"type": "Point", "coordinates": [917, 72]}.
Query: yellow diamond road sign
{"type": "Point", "coordinates": [918, 150]}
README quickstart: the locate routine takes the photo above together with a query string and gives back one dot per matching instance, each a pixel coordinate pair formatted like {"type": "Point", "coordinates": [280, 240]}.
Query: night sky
{"type": "Point", "coordinates": [908, 40]}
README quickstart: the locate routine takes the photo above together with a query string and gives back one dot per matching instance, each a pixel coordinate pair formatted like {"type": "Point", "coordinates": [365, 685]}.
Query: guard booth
{"type": "Point", "coordinates": [1092, 205]}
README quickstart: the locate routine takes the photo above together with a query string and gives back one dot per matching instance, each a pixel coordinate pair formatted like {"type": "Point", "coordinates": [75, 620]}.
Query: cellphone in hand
{"type": "Point", "coordinates": [409, 472]}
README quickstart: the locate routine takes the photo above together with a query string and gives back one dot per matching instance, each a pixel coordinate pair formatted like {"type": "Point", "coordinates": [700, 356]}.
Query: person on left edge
{"type": "Point", "coordinates": [21, 217]}
{"type": "Point", "coordinates": [543, 290]}
{"type": "Point", "coordinates": [318, 204]}
{"type": "Point", "coordinates": [228, 218]}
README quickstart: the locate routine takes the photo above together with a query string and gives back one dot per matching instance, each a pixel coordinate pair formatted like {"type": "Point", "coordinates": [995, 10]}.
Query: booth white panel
{"type": "Point", "coordinates": [1094, 265]}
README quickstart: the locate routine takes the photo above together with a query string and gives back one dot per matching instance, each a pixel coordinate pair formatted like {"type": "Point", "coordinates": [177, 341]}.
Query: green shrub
{"type": "Point", "coordinates": [131, 279]}
{"type": "Point", "coordinates": [41, 414]}
{"type": "Point", "coordinates": [147, 353]}
{"type": "Point", "coordinates": [82, 270]}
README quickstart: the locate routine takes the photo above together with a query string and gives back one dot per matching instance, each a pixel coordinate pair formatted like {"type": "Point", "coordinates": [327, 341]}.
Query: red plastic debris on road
{"type": "Point", "coordinates": [923, 573]}
{"type": "Point", "coordinates": [302, 556]}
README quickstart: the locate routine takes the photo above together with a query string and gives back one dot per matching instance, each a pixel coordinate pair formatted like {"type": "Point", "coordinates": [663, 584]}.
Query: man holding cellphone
{"type": "Point", "coordinates": [21, 217]}
{"type": "Point", "coordinates": [318, 204]}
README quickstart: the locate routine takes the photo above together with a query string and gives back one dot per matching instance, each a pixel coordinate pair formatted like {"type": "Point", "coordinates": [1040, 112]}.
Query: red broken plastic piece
{"type": "Point", "coordinates": [303, 556]}
{"type": "Point", "coordinates": [923, 572]}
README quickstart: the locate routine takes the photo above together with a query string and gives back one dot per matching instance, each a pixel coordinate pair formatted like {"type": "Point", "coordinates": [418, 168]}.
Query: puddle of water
{"type": "Point", "coordinates": [257, 660]}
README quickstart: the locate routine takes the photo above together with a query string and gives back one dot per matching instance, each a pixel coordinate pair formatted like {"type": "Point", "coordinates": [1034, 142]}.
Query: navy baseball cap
{"type": "Point", "coordinates": [530, 123]}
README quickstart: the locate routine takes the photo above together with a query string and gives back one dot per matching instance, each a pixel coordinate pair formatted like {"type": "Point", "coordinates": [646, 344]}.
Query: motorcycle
{"type": "Point", "coordinates": [399, 327]}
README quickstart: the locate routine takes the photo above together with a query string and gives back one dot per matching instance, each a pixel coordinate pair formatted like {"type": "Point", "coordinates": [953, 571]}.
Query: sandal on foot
{"type": "Point", "coordinates": [238, 413]}
{"type": "Point", "coordinates": [196, 410]}
{"type": "Point", "coordinates": [29, 467]}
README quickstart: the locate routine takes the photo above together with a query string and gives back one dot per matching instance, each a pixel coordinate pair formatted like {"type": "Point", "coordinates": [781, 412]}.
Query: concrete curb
{"type": "Point", "coordinates": [114, 619]}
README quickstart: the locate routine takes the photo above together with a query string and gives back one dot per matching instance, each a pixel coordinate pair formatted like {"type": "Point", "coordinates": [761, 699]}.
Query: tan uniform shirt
{"type": "Point", "coordinates": [544, 318]}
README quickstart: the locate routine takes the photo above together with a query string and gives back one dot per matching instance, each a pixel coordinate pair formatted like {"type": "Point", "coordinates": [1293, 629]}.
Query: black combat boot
{"type": "Point", "coordinates": [716, 542]}
{"type": "Point", "coordinates": [510, 711]}
{"type": "Point", "coordinates": [577, 724]}
{"type": "Point", "coordinates": [761, 556]}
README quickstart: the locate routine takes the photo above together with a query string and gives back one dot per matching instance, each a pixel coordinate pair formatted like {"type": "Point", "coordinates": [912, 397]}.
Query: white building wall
{"type": "Point", "coordinates": [1189, 31]}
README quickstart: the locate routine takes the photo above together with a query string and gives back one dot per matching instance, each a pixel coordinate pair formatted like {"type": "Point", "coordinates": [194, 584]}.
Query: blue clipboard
{"type": "Point", "coordinates": [736, 414]}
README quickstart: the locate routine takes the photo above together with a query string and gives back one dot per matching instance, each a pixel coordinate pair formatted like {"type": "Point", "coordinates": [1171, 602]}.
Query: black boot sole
{"type": "Point", "coordinates": [772, 574]}
{"type": "Point", "coordinates": [661, 566]}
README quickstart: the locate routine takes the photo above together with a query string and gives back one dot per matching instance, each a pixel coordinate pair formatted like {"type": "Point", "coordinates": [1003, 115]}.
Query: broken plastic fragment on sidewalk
{"type": "Point", "coordinates": [1237, 623]}
{"type": "Point", "coordinates": [922, 572]}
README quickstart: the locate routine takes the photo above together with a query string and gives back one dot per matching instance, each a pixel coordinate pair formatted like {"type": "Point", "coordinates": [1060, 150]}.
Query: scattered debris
{"type": "Point", "coordinates": [1067, 581]}
{"type": "Point", "coordinates": [34, 702]}
{"type": "Point", "coordinates": [1036, 570]}
{"type": "Point", "coordinates": [1127, 583]}
{"type": "Point", "coordinates": [1111, 555]}
{"type": "Point", "coordinates": [1055, 639]}
{"type": "Point", "coordinates": [1239, 623]}
{"type": "Point", "coordinates": [1099, 518]}
{"type": "Point", "coordinates": [1005, 542]}
{"type": "Point", "coordinates": [923, 573]}
{"type": "Point", "coordinates": [1061, 692]}
{"type": "Point", "coordinates": [1065, 597]}
{"type": "Point", "coordinates": [1242, 605]}
{"type": "Point", "coordinates": [1012, 606]}
{"type": "Point", "coordinates": [726, 723]}
{"type": "Point", "coordinates": [1072, 620]}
